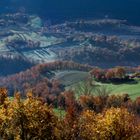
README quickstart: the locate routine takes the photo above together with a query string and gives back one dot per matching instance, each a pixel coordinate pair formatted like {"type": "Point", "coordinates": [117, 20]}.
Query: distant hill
{"type": "Point", "coordinates": [54, 9]}
{"type": "Point", "coordinates": [100, 42]}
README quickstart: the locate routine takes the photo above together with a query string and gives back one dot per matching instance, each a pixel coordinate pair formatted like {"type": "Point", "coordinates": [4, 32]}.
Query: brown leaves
{"type": "Point", "coordinates": [3, 95]}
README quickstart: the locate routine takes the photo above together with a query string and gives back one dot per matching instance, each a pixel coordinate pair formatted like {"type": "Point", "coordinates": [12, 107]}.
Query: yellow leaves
{"type": "Point", "coordinates": [17, 96]}
{"type": "Point", "coordinates": [113, 123]}
{"type": "Point", "coordinates": [27, 118]}
{"type": "Point", "coordinates": [88, 116]}
{"type": "Point", "coordinates": [3, 91]}
{"type": "Point", "coordinates": [17, 137]}
{"type": "Point", "coordinates": [29, 94]}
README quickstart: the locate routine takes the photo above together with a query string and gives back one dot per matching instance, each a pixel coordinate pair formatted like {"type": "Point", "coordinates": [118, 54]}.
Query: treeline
{"type": "Point", "coordinates": [65, 65]}
{"type": "Point", "coordinates": [31, 118]}
{"type": "Point", "coordinates": [102, 50]}
{"type": "Point", "coordinates": [102, 56]}
{"type": "Point", "coordinates": [98, 101]}
{"type": "Point", "coordinates": [13, 19]}
{"type": "Point", "coordinates": [93, 25]}
{"type": "Point", "coordinates": [88, 25]}
{"type": "Point", "coordinates": [116, 75]}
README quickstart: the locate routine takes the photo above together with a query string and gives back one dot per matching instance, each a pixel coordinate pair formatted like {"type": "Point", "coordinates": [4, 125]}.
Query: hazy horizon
{"type": "Point", "coordinates": [56, 9]}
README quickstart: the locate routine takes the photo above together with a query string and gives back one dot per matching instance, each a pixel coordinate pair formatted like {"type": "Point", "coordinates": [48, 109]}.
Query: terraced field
{"type": "Point", "coordinates": [40, 55]}
{"type": "Point", "coordinates": [69, 78]}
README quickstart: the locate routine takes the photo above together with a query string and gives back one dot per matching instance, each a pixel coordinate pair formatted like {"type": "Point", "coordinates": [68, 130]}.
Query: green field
{"type": "Point", "coordinates": [133, 89]}
{"type": "Point", "coordinates": [71, 79]}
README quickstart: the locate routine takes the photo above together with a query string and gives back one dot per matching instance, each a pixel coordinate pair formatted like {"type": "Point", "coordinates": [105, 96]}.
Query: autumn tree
{"type": "Point", "coordinates": [28, 119]}
{"type": "Point", "coordinates": [110, 74]}
{"type": "Point", "coordinates": [113, 124]}
{"type": "Point", "coordinates": [98, 74]}
{"type": "Point", "coordinates": [120, 72]}
{"type": "Point", "coordinates": [3, 95]}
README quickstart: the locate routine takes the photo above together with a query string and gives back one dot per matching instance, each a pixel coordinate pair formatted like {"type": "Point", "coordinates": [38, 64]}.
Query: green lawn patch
{"type": "Point", "coordinates": [133, 89]}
